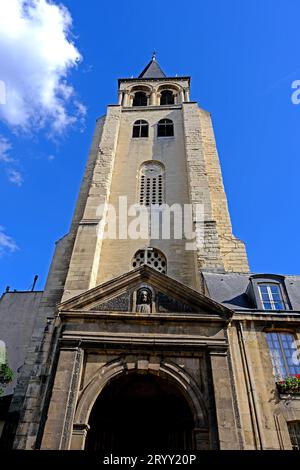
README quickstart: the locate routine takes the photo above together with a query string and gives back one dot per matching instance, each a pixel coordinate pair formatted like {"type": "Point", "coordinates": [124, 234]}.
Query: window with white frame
{"type": "Point", "coordinates": [284, 354]}
{"type": "Point", "coordinates": [271, 297]}
{"type": "Point", "coordinates": [294, 431]}
{"type": "Point", "coordinates": [151, 184]}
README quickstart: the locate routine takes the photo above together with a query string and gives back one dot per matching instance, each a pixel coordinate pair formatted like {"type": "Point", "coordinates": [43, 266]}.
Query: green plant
{"type": "Point", "coordinates": [6, 376]}
{"type": "Point", "coordinates": [290, 384]}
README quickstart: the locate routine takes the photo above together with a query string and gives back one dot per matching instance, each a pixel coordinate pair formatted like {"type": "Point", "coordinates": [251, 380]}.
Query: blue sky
{"type": "Point", "coordinates": [242, 56]}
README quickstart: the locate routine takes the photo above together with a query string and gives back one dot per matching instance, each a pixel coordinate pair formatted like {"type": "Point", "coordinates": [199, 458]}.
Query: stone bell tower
{"type": "Point", "coordinates": [124, 320]}
{"type": "Point", "coordinates": [154, 128]}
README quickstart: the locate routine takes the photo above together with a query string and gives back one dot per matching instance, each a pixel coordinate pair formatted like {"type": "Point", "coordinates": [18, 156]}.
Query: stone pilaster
{"type": "Point", "coordinates": [58, 427]}
{"type": "Point", "coordinates": [79, 436]}
{"type": "Point", "coordinates": [223, 395]}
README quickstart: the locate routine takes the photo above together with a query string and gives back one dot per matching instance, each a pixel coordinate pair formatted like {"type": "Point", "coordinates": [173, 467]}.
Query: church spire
{"type": "Point", "coordinates": [152, 70]}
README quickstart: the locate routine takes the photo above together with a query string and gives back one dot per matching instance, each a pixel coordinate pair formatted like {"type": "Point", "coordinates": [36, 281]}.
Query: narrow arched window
{"type": "Point", "coordinates": [165, 128]}
{"type": "Point", "coordinates": [152, 184]}
{"type": "Point", "coordinates": [151, 257]}
{"type": "Point", "coordinates": [140, 129]}
{"type": "Point", "coordinates": [167, 97]}
{"type": "Point", "coordinates": [140, 99]}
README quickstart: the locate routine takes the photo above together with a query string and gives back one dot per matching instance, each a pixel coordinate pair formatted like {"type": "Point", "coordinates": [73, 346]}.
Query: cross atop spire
{"type": "Point", "coordinates": [153, 69]}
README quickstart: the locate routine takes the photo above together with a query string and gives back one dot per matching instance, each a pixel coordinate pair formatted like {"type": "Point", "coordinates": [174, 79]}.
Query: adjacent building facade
{"type": "Point", "coordinates": [145, 338]}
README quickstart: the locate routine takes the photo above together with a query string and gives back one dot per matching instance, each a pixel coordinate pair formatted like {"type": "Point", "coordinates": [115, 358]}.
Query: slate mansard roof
{"type": "Point", "coordinates": [231, 289]}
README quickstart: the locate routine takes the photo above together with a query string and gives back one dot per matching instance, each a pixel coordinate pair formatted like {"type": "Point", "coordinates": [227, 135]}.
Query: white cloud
{"type": "Point", "coordinates": [5, 147]}
{"type": "Point", "coordinates": [6, 243]}
{"type": "Point", "coordinates": [36, 55]}
{"type": "Point", "coordinates": [15, 176]}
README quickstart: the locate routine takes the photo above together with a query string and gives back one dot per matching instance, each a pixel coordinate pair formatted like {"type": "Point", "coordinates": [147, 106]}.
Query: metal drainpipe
{"type": "Point", "coordinates": [250, 381]}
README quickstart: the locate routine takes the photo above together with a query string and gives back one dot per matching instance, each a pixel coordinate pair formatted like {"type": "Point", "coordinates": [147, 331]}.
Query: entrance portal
{"type": "Point", "coordinates": [139, 413]}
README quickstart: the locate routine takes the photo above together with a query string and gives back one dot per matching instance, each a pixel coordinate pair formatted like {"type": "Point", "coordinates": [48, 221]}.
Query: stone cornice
{"type": "Point", "coordinates": [118, 339]}
{"type": "Point", "coordinates": [83, 315]}
{"type": "Point", "coordinates": [151, 108]}
{"type": "Point", "coordinates": [288, 317]}
{"type": "Point", "coordinates": [162, 79]}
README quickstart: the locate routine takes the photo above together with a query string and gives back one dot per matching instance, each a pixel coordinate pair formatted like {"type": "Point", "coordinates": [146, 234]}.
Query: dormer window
{"type": "Point", "coordinates": [140, 99]}
{"type": "Point", "coordinates": [268, 292]}
{"type": "Point", "coordinates": [271, 297]}
{"type": "Point", "coordinates": [167, 97]}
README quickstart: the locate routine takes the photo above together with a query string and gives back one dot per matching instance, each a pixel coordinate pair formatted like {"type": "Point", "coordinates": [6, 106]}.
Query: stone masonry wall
{"type": "Point", "coordinates": [28, 397]}
{"type": "Point", "coordinates": [263, 413]}
{"type": "Point", "coordinates": [233, 252]}
{"type": "Point", "coordinates": [84, 264]}
{"type": "Point", "coordinates": [208, 252]}
{"type": "Point", "coordinates": [116, 256]}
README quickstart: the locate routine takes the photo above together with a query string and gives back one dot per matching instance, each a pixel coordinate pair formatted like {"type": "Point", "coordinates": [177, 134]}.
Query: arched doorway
{"type": "Point", "coordinates": [140, 412]}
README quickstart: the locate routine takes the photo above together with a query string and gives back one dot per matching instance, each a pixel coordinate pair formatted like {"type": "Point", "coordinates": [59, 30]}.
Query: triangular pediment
{"type": "Point", "coordinates": [169, 295]}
